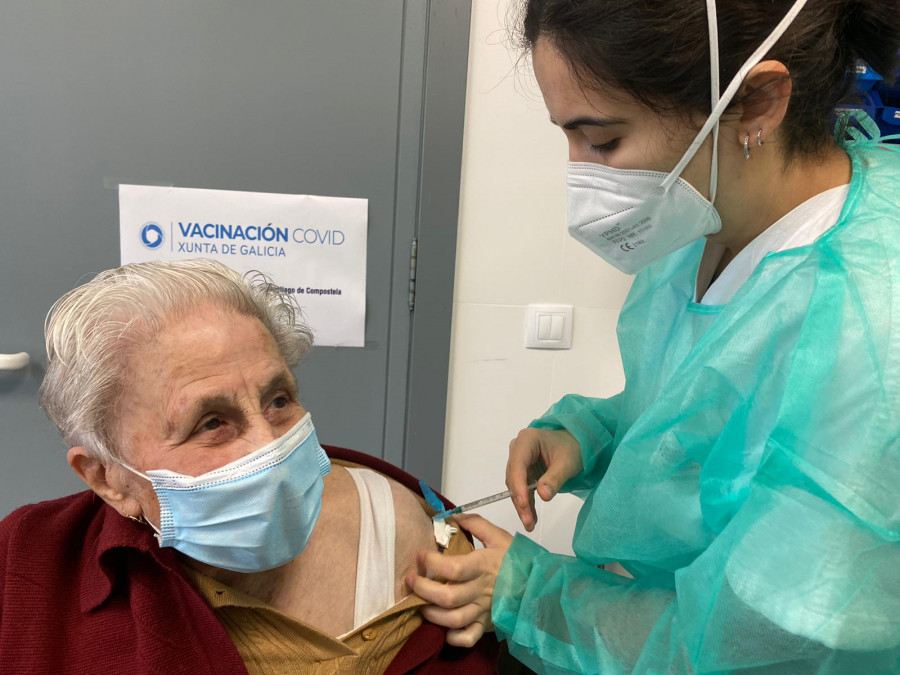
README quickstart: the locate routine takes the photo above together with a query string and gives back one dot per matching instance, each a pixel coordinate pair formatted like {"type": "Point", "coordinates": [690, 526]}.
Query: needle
{"type": "Point", "coordinates": [478, 502]}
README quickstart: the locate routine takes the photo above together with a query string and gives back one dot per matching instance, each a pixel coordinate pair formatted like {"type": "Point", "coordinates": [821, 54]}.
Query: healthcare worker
{"type": "Point", "coordinates": [748, 476]}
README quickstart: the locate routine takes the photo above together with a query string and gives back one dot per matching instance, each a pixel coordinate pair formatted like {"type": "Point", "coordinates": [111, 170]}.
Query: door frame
{"type": "Point", "coordinates": [430, 139]}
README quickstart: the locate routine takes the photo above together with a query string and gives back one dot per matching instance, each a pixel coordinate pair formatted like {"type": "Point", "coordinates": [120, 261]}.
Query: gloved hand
{"type": "Point", "coordinates": [549, 456]}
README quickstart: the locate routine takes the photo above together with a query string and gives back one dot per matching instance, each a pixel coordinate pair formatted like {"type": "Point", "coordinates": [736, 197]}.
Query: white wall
{"type": "Point", "coordinates": [514, 250]}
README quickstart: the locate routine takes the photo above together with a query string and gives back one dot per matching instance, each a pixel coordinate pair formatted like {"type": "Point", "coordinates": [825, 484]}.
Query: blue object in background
{"type": "Point", "coordinates": [877, 98]}
{"type": "Point", "coordinates": [865, 78]}
{"type": "Point", "coordinates": [887, 115]}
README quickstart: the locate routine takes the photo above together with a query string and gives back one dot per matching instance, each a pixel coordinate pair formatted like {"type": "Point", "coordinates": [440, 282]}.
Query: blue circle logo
{"type": "Point", "coordinates": [152, 236]}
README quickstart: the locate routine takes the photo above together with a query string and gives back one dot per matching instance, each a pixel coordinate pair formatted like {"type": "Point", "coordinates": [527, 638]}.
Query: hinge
{"type": "Point", "coordinates": [412, 273]}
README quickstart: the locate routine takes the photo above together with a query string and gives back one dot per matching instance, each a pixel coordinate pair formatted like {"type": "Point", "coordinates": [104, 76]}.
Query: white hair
{"type": "Point", "coordinates": [92, 331]}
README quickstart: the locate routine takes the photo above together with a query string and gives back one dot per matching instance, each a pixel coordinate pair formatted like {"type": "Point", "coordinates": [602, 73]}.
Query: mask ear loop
{"type": "Point", "coordinates": [713, 24]}
{"type": "Point", "coordinates": [731, 91]}
{"type": "Point", "coordinates": [140, 518]}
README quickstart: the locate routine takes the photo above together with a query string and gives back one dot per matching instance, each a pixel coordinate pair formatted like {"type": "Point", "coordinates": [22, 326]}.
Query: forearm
{"type": "Point", "coordinates": [560, 614]}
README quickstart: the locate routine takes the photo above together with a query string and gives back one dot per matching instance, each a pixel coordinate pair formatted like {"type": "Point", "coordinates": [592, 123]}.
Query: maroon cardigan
{"type": "Point", "coordinates": [83, 590]}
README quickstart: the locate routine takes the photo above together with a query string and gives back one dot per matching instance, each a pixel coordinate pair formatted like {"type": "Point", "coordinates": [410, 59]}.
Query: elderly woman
{"type": "Point", "coordinates": [217, 536]}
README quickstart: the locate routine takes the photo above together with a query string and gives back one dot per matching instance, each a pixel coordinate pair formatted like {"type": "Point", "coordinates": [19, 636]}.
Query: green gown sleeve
{"type": "Point", "coordinates": [592, 421]}
{"type": "Point", "coordinates": [796, 583]}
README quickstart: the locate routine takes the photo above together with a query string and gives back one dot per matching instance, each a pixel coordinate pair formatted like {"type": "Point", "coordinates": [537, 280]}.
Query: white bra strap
{"type": "Point", "coordinates": [375, 572]}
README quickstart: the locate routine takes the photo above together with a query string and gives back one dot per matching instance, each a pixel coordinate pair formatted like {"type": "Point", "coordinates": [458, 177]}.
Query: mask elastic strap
{"type": "Point", "coordinates": [130, 468]}
{"type": "Point", "coordinates": [135, 471]}
{"type": "Point", "coordinates": [713, 24]}
{"type": "Point", "coordinates": [730, 92]}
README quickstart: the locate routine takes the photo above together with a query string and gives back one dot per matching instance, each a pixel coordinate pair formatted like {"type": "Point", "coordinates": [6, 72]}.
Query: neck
{"type": "Point", "coordinates": [268, 584]}
{"type": "Point", "coordinates": [318, 577]}
{"type": "Point", "coordinates": [764, 190]}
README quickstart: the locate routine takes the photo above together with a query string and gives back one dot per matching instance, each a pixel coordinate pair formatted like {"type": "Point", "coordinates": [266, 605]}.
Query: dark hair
{"type": "Point", "coordinates": [658, 51]}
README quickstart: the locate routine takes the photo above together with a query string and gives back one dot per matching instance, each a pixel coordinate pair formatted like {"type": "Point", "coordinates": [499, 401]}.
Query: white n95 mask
{"type": "Point", "coordinates": [253, 514]}
{"type": "Point", "coordinates": [633, 218]}
{"type": "Point", "coordinates": [628, 218]}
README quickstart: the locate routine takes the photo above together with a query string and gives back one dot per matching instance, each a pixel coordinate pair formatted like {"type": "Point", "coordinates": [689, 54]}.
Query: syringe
{"type": "Point", "coordinates": [443, 515]}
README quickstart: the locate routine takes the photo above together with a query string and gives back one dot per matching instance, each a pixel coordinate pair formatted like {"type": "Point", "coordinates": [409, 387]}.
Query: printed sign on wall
{"type": "Point", "coordinates": [314, 247]}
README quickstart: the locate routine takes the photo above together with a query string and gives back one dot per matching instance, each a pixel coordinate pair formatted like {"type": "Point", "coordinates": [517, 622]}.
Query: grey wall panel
{"type": "Point", "coordinates": [273, 96]}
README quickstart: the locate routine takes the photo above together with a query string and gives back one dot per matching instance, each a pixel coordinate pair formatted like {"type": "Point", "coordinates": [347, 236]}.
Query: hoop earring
{"type": "Point", "coordinates": [759, 140]}
{"type": "Point", "coordinates": [746, 146]}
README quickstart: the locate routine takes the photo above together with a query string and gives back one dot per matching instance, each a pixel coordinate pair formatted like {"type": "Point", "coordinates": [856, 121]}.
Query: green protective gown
{"type": "Point", "coordinates": [748, 476]}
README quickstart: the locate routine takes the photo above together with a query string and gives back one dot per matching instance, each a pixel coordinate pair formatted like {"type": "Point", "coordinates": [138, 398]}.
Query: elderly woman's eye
{"type": "Point", "coordinates": [212, 424]}
{"type": "Point", "coordinates": [280, 402]}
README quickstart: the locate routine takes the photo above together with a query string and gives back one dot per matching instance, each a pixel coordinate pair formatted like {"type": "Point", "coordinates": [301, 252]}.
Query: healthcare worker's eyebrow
{"type": "Point", "coordinates": [589, 122]}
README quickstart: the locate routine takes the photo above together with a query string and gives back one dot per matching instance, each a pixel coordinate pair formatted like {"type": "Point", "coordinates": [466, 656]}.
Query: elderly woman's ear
{"type": "Point", "coordinates": [106, 481]}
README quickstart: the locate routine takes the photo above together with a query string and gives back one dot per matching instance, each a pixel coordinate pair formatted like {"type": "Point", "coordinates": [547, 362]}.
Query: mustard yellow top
{"type": "Point", "coordinates": [271, 642]}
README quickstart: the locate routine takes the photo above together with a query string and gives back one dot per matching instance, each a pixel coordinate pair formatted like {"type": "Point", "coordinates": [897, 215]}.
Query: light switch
{"type": "Point", "coordinates": [548, 327]}
{"type": "Point", "coordinates": [545, 327]}
{"type": "Point", "coordinates": [557, 321]}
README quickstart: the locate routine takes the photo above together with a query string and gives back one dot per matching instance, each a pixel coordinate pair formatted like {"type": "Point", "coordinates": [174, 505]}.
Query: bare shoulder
{"type": "Point", "coordinates": [336, 535]}
{"type": "Point", "coordinates": [414, 533]}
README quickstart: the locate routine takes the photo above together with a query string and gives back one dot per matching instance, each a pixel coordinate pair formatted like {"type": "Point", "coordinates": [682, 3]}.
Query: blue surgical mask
{"type": "Point", "coordinates": [253, 514]}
